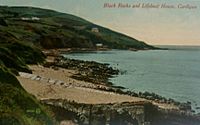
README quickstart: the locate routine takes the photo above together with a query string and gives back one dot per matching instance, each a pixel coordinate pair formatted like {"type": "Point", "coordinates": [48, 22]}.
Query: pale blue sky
{"type": "Point", "coordinates": [154, 26]}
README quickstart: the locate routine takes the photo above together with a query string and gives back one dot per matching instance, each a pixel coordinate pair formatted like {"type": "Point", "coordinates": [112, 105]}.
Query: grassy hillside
{"type": "Point", "coordinates": [51, 29]}
{"type": "Point", "coordinates": [17, 107]}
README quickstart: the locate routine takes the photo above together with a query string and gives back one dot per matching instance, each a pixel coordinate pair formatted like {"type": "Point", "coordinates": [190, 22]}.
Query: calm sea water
{"type": "Point", "coordinates": [170, 73]}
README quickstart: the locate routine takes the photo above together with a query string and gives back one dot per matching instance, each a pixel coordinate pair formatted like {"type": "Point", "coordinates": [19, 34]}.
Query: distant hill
{"type": "Point", "coordinates": [51, 29]}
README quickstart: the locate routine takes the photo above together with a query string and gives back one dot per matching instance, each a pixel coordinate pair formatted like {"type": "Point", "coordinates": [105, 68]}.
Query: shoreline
{"type": "Point", "coordinates": [147, 95]}
{"type": "Point", "coordinates": [186, 104]}
{"type": "Point", "coordinates": [64, 75]}
{"type": "Point", "coordinates": [59, 51]}
{"type": "Point", "coordinates": [53, 85]}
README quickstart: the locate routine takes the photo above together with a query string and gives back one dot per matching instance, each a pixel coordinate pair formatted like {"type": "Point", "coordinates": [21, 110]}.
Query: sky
{"type": "Point", "coordinates": [159, 26]}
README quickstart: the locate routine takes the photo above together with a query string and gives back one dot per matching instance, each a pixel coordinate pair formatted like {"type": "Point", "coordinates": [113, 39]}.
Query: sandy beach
{"type": "Point", "coordinates": [45, 83]}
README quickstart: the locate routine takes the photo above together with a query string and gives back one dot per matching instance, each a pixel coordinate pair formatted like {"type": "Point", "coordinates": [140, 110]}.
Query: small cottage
{"type": "Point", "coordinates": [35, 18]}
{"type": "Point", "coordinates": [99, 45]}
{"type": "Point", "coordinates": [30, 18]}
{"type": "Point", "coordinates": [95, 30]}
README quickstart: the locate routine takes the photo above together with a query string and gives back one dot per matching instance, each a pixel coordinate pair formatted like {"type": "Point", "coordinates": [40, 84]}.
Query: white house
{"type": "Point", "coordinates": [30, 18]}
{"type": "Point", "coordinates": [95, 30]}
{"type": "Point", "coordinates": [99, 45]}
{"type": "Point", "coordinates": [35, 18]}
{"type": "Point", "coordinates": [25, 18]}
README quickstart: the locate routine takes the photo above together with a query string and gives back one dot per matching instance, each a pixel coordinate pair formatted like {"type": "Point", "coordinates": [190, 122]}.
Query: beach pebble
{"type": "Point", "coordinates": [33, 77]}
{"type": "Point", "coordinates": [38, 78]}
{"type": "Point", "coordinates": [58, 82]}
{"type": "Point", "coordinates": [51, 81]}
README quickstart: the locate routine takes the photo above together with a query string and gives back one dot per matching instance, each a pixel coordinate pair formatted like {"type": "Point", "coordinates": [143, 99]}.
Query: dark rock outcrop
{"type": "Point", "coordinates": [135, 113]}
{"type": "Point", "coordinates": [3, 22]}
{"type": "Point", "coordinates": [89, 71]}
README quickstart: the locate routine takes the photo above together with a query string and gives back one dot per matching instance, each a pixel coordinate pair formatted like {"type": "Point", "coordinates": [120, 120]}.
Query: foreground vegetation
{"type": "Point", "coordinates": [16, 105]}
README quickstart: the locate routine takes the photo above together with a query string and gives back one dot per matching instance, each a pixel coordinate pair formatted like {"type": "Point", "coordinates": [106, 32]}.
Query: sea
{"type": "Point", "coordinates": [172, 73]}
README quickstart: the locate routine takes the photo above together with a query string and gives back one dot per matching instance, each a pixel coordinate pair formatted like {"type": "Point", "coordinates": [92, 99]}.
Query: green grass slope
{"type": "Point", "coordinates": [51, 29]}
{"type": "Point", "coordinates": [17, 107]}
